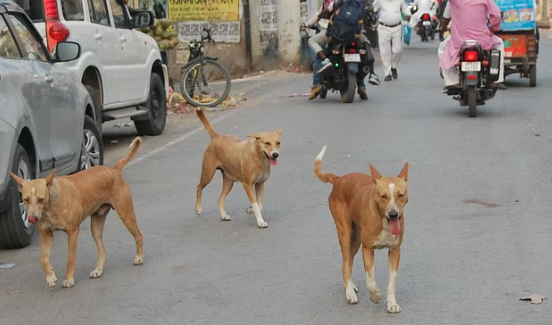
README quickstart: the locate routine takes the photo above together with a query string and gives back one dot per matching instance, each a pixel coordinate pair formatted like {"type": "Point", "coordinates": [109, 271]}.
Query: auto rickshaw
{"type": "Point", "coordinates": [519, 33]}
{"type": "Point", "coordinates": [520, 54]}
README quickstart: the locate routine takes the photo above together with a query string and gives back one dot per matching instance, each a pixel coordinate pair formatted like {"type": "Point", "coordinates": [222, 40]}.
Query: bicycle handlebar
{"type": "Point", "coordinates": [206, 37]}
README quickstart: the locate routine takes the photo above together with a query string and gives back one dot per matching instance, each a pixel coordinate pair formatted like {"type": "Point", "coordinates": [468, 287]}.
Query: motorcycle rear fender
{"type": "Point", "coordinates": [471, 82]}
{"type": "Point", "coordinates": [353, 67]}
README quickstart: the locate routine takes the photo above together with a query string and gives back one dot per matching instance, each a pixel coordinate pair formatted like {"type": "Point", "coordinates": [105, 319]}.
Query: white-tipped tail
{"type": "Point", "coordinates": [134, 142]}
{"type": "Point", "coordinates": [198, 108]}
{"type": "Point", "coordinates": [321, 154]}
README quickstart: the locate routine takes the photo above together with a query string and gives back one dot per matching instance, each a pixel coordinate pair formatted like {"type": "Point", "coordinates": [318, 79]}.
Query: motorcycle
{"type": "Point", "coordinates": [342, 75]}
{"type": "Point", "coordinates": [477, 69]}
{"type": "Point", "coordinates": [427, 27]}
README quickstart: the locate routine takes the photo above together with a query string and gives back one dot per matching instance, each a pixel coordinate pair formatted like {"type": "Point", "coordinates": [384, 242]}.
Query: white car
{"type": "Point", "coordinates": [121, 67]}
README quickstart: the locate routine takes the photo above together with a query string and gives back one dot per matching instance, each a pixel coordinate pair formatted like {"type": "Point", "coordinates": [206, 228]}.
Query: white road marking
{"type": "Point", "coordinates": [178, 140]}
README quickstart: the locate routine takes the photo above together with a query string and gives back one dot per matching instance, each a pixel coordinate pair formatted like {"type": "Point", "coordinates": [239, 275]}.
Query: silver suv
{"type": "Point", "coordinates": [47, 118]}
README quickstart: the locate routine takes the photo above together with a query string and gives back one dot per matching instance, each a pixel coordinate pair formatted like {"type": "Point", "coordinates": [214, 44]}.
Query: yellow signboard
{"type": "Point", "coordinates": [203, 10]}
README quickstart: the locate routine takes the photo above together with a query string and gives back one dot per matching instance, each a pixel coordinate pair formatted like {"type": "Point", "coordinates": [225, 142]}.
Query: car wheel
{"type": "Point", "coordinates": [157, 105]}
{"type": "Point", "coordinates": [98, 107]}
{"type": "Point", "coordinates": [15, 229]}
{"type": "Point", "coordinates": [92, 150]}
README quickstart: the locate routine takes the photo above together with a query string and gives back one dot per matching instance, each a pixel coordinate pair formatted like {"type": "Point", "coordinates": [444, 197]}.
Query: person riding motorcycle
{"type": "Point", "coordinates": [322, 62]}
{"type": "Point", "coordinates": [471, 23]}
{"type": "Point", "coordinates": [424, 7]}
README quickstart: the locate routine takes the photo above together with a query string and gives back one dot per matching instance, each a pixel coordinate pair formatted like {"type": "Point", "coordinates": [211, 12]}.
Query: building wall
{"type": "Point", "coordinates": [274, 33]}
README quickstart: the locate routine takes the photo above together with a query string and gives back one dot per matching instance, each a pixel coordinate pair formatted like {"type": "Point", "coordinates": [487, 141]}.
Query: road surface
{"type": "Point", "coordinates": [477, 227]}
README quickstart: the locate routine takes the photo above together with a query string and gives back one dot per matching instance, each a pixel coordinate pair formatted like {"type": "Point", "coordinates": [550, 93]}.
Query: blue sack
{"type": "Point", "coordinates": [407, 32]}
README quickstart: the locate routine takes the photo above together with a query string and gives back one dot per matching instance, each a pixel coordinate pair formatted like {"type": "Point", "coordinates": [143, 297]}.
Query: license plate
{"type": "Point", "coordinates": [471, 66]}
{"type": "Point", "coordinates": [351, 57]}
{"type": "Point", "coordinates": [427, 23]}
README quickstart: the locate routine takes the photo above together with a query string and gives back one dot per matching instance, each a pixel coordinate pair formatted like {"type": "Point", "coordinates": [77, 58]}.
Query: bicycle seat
{"type": "Point", "coordinates": [214, 58]}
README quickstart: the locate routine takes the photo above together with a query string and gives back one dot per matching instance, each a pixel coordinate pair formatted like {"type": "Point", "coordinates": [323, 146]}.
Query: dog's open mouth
{"type": "Point", "coordinates": [395, 225]}
{"type": "Point", "coordinates": [273, 161]}
{"type": "Point", "coordinates": [33, 220]}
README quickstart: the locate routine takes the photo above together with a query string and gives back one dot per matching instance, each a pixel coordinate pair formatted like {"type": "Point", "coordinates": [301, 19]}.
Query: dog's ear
{"type": "Point", "coordinates": [404, 173]}
{"type": "Point", "coordinates": [50, 178]}
{"type": "Point", "coordinates": [20, 181]}
{"type": "Point", "coordinates": [254, 136]}
{"type": "Point", "coordinates": [279, 131]}
{"type": "Point", "coordinates": [374, 173]}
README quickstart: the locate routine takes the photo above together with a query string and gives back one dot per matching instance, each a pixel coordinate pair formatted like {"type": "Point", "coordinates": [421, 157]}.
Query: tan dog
{"type": "Point", "coordinates": [62, 203]}
{"type": "Point", "coordinates": [245, 161]}
{"type": "Point", "coordinates": [368, 210]}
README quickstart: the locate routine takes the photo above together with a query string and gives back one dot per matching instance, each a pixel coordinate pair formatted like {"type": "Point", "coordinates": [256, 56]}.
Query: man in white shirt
{"type": "Point", "coordinates": [424, 7]}
{"type": "Point", "coordinates": [390, 34]}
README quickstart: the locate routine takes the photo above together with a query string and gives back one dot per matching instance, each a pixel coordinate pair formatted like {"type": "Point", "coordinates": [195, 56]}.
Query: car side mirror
{"type": "Point", "coordinates": [142, 18]}
{"type": "Point", "coordinates": [67, 51]}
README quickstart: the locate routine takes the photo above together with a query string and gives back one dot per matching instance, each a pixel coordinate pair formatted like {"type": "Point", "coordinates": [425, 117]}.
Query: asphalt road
{"type": "Point", "coordinates": [477, 234]}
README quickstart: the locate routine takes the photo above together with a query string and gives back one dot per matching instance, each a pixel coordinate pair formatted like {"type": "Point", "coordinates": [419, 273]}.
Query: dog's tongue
{"type": "Point", "coordinates": [273, 161]}
{"type": "Point", "coordinates": [395, 226]}
{"type": "Point", "coordinates": [32, 219]}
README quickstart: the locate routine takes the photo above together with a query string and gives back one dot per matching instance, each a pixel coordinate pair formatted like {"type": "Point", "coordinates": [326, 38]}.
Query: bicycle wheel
{"type": "Point", "coordinates": [205, 83]}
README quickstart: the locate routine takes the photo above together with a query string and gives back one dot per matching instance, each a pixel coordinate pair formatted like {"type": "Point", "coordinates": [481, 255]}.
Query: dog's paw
{"type": "Point", "coordinates": [351, 296]}
{"type": "Point", "coordinates": [393, 307]}
{"type": "Point", "coordinates": [375, 296]}
{"type": "Point", "coordinates": [249, 210]}
{"type": "Point", "coordinates": [95, 274]}
{"type": "Point", "coordinates": [52, 280]}
{"type": "Point", "coordinates": [198, 210]}
{"type": "Point", "coordinates": [69, 283]}
{"type": "Point", "coordinates": [262, 224]}
{"type": "Point", "coordinates": [354, 287]}
{"type": "Point", "coordinates": [225, 217]}
{"type": "Point", "coordinates": [139, 260]}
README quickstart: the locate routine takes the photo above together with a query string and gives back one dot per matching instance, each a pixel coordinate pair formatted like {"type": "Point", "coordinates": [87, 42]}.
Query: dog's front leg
{"type": "Point", "coordinates": [73, 236]}
{"type": "Point", "coordinates": [394, 257]}
{"type": "Point", "coordinates": [46, 243]}
{"type": "Point", "coordinates": [254, 205]}
{"type": "Point", "coordinates": [259, 192]}
{"type": "Point", "coordinates": [371, 285]}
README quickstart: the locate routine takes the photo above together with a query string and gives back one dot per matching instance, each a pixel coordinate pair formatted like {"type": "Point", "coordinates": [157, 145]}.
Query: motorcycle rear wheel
{"type": "Point", "coordinates": [472, 101]}
{"type": "Point", "coordinates": [348, 94]}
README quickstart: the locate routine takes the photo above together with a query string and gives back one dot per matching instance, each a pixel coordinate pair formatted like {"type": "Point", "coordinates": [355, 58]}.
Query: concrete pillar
{"type": "Point", "coordinates": [545, 21]}
{"type": "Point", "coordinates": [256, 51]}
{"type": "Point", "coordinates": [289, 38]}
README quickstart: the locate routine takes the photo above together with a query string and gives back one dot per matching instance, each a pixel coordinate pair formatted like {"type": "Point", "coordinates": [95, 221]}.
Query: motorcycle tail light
{"type": "Point", "coordinates": [352, 51]}
{"type": "Point", "coordinates": [470, 56]}
{"type": "Point", "coordinates": [472, 77]}
{"type": "Point", "coordinates": [425, 17]}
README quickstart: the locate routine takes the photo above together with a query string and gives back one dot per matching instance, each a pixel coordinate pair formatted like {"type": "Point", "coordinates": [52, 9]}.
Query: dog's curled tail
{"type": "Point", "coordinates": [206, 123]}
{"type": "Point", "coordinates": [134, 146]}
{"type": "Point", "coordinates": [326, 178]}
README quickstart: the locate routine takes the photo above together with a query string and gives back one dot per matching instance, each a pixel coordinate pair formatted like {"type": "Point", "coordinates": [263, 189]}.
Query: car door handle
{"type": "Point", "coordinates": [98, 36]}
{"type": "Point", "coordinates": [49, 79]}
{"type": "Point", "coordinates": [122, 39]}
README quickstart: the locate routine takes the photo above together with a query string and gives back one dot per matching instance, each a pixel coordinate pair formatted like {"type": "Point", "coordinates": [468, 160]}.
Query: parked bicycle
{"type": "Point", "coordinates": [204, 81]}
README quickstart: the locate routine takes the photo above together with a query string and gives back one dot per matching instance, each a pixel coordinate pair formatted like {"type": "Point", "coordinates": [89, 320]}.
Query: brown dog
{"type": "Point", "coordinates": [62, 203]}
{"type": "Point", "coordinates": [245, 161]}
{"type": "Point", "coordinates": [368, 210]}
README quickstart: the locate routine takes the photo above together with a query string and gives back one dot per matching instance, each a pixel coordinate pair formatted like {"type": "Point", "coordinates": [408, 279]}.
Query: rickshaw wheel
{"type": "Point", "coordinates": [533, 76]}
